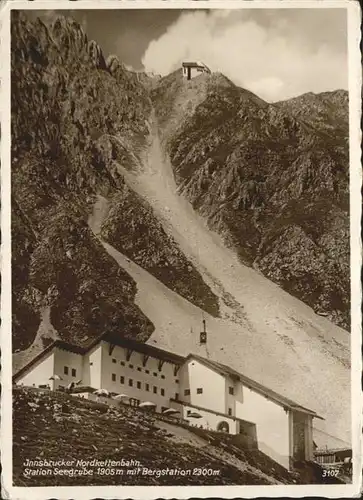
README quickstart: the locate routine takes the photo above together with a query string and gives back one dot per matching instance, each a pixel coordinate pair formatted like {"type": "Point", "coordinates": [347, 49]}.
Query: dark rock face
{"type": "Point", "coordinates": [76, 118]}
{"type": "Point", "coordinates": [66, 110]}
{"type": "Point", "coordinates": [272, 179]}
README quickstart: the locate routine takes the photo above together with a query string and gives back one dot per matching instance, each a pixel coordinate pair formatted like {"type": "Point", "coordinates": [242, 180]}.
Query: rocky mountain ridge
{"type": "Point", "coordinates": [327, 111]}
{"type": "Point", "coordinates": [276, 189]}
{"type": "Point", "coordinates": [272, 179]}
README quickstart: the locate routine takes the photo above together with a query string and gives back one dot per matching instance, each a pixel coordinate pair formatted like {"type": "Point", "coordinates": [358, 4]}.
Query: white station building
{"type": "Point", "coordinates": [206, 393]}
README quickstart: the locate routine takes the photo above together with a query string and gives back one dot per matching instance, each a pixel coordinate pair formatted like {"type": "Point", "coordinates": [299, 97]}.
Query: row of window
{"type": "Point", "coordinates": [200, 391]}
{"type": "Point", "coordinates": [73, 371]}
{"type": "Point", "coordinates": [138, 384]}
{"type": "Point", "coordinates": [139, 369]}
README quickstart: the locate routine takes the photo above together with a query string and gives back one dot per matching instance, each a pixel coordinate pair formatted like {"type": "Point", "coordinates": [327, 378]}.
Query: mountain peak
{"type": "Point", "coordinates": [68, 32]}
{"type": "Point", "coordinates": [325, 111]}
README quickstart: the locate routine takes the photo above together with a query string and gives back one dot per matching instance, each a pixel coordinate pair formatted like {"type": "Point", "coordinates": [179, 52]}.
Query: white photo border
{"type": "Point", "coordinates": [184, 492]}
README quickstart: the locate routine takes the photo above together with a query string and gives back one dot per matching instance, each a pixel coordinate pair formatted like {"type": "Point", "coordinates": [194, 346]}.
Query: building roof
{"type": "Point", "coordinates": [195, 64]}
{"type": "Point", "coordinates": [192, 65]}
{"type": "Point", "coordinates": [61, 344]}
{"type": "Point", "coordinates": [170, 357]}
{"type": "Point", "coordinates": [255, 386]}
{"type": "Point", "coordinates": [141, 347]}
{"type": "Point", "coordinates": [113, 339]}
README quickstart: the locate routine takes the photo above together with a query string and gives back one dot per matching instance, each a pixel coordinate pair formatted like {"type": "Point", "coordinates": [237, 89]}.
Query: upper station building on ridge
{"type": "Point", "coordinates": [193, 69]}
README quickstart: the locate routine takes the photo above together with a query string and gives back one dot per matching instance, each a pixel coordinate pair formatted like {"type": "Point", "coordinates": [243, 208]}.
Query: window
{"type": "Point", "coordinates": [114, 377]}
{"type": "Point", "coordinates": [113, 360]}
{"type": "Point", "coordinates": [187, 392]}
{"type": "Point", "coordinates": [66, 370]}
{"type": "Point", "coordinates": [73, 372]}
{"type": "Point", "coordinates": [147, 371]}
{"type": "Point", "coordinates": [199, 390]}
{"type": "Point", "coordinates": [229, 411]}
{"type": "Point", "coordinates": [138, 385]}
{"type": "Point", "coordinates": [122, 363]}
{"type": "Point", "coordinates": [147, 387]}
{"type": "Point", "coordinates": [162, 392]}
{"type": "Point", "coordinates": [163, 376]}
{"type": "Point", "coordinates": [131, 382]}
{"type": "Point", "coordinates": [131, 366]}
{"type": "Point", "coordinates": [138, 369]}
{"type": "Point", "coordinates": [155, 374]}
{"type": "Point", "coordinates": [176, 396]}
{"type": "Point", "coordinates": [134, 402]}
{"type": "Point", "coordinates": [155, 390]}
{"type": "Point", "coordinates": [231, 390]}
{"type": "Point", "coordinates": [176, 381]}
{"type": "Point", "coordinates": [122, 380]}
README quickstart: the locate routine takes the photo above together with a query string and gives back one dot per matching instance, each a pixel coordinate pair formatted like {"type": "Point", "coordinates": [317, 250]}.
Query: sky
{"type": "Point", "coordinates": [275, 53]}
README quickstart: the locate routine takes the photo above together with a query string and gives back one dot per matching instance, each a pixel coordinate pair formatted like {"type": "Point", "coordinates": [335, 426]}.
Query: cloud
{"type": "Point", "coordinates": [269, 85]}
{"type": "Point", "coordinates": [275, 55]}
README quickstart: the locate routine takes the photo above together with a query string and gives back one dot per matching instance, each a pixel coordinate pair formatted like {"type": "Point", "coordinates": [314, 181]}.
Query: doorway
{"type": "Point", "coordinates": [223, 426]}
{"type": "Point", "coordinates": [299, 438]}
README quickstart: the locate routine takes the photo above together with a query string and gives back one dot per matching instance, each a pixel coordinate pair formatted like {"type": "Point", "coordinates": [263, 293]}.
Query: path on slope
{"type": "Point", "coordinates": [264, 332]}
